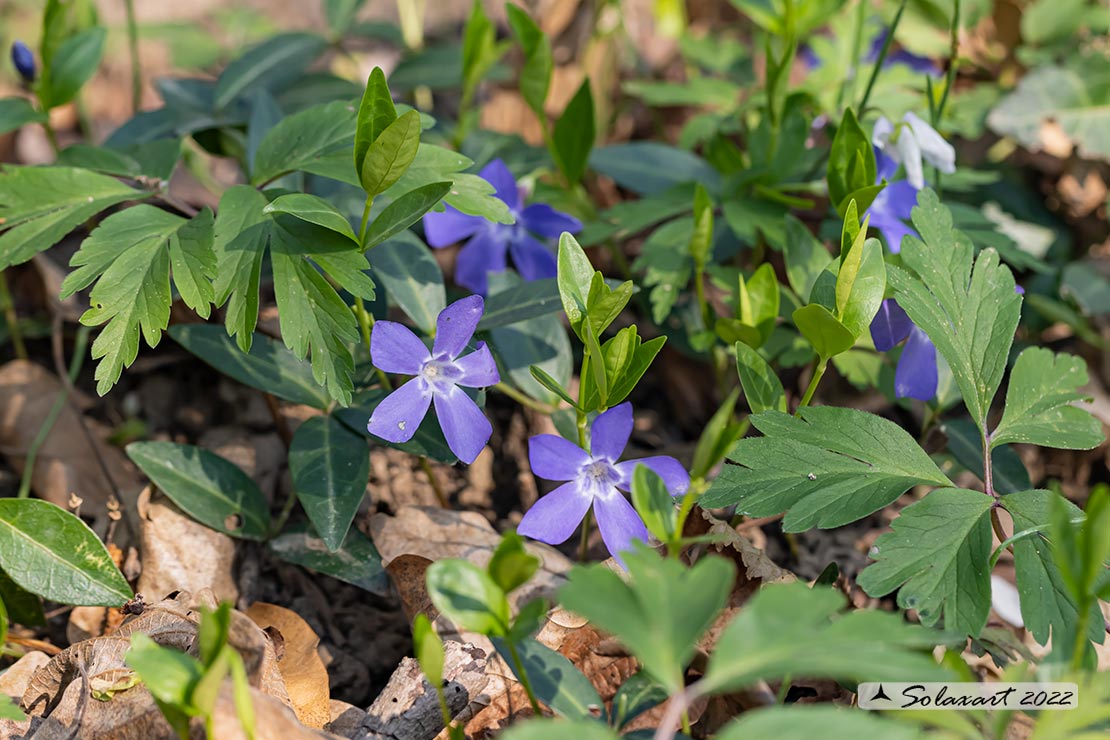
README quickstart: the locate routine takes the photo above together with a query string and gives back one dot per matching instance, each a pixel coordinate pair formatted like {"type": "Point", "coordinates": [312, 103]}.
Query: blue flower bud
{"type": "Point", "coordinates": [24, 61]}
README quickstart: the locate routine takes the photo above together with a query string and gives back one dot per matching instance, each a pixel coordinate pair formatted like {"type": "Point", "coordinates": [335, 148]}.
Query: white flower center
{"type": "Point", "coordinates": [440, 374]}
{"type": "Point", "coordinates": [598, 473]}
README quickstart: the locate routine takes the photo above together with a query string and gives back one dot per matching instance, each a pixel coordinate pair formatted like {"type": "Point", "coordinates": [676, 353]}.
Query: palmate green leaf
{"type": "Point", "coordinates": [375, 113]}
{"type": "Point", "coordinates": [969, 314]}
{"type": "Point", "coordinates": [52, 553]}
{"type": "Point", "coordinates": [535, 76]}
{"type": "Point", "coordinates": [40, 205]}
{"type": "Point", "coordinates": [412, 278]}
{"type": "Point", "coordinates": [554, 679]}
{"type": "Point", "coordinates": [356, 562]}
{"type": "Point", "coordinates": [272, 64]}
{"type": "Point", "coordinates": [659, 614]}
{"type": "Point", "coordinates": [792, 629]}
{"type": "Point", "coordinates": [574, 134]}
{"type": "Point", "coordinates": [207, 487]}
{"type": "Point", "coordinates": [1039, 402]}
{"type": "Point", "coordinates": [315, 210]}
{"type": "Point", "coordinates": [937, 556]}
{"type": "Point", "coordinates": [330, 466]}
{"type": "Point", "coordinates": [826, 467]}
{"type": "Point", "coordinates": [1046, 604]}
{"type": "Point", "coordinates": [129, 256]}
{"type": "Point", "coordinates": [241, 233]}
{"type": "Point", "coordinates": [404, 212]}
{"type": "Point", "coordinates": [801, 722]}
{"type": "Point", "coordinates": [16, 113]}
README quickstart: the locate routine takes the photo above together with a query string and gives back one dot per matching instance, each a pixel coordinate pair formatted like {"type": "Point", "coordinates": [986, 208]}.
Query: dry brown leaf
{"type": "Point", "coordinates": [273, 720]}
{"type": "Point", "coordinates": [407, 573]}
{"type": "Point", "coordinates": [306, 678]}
{"type": "Point", "coordinates": [180, 553]}
{"type": "Point", "coordinates": [16, 677]}
{"type": "Point", "coordinates": [66, 462]}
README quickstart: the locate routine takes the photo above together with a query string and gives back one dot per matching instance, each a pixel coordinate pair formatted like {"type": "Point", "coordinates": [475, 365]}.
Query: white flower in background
{"type": "Point", "coordinates": [1005, 601]}
{"type": "Point", "coordinates": [910, 141]}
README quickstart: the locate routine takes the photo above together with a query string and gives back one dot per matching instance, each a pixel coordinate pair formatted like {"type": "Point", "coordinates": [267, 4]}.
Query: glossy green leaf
{"type": "Point", "coordinates": [268, 366]}
{"type": "Point", "coordinates": [936, 555]}
{"type": "Point", "coordinates": [1039, 399]}
{"type": "Point", "coordinates": [356, 562]}
{"type": "Point", "coordinates": [411, 277]}
{"type": "Point", "coordinates": [75, 61]}
{"type": "Point", "coordinates": [40, 205]}
{"type": "Point", "coordinates": [825, 467]}
{"type": "Point", "coordinates": [659, 613]}
{"type": "Point", "coordinates": [404, 212]}
{"type": "Point", "coordinates": [651, 168]}
{"type": "Point", "coordinates": [207, 487]}
{"type": "Point", "coordinates": [554, 679]}
{"type": "Point", "coordinates": [796, 722]}
{"type": "Point", "coordinates": [330, 466]}
{"type": "Point", "coordinates": [391, 154]}
{"type": "Point", "coordinates": [824, 331]}
{"type": "Point", "coordinates": [792, 629]}
{"type": "Point", "coordinates": [23, 607]}
{"type": "Point", "coordinates": [718, 437]}
{"type": "Point", "coordinates": [969, 314]}
{"type": "Point", "coordinates": [468, 596]}
{"type": "Point", "coordinates": [271, 65]}
{"type": "Point", "coordinates": [758, 301]}
{"type": "Point", "coordinates": [469, 193]}
{"type": "Point", "coordinates": [860, 285]}
{"type": "Point", "coordinates": [575, 274]}
{"type": "Point", "coordinates": [574, 134]}
{"type": "Point", "coordinates": [654, 503]}
{"type": "Point", "coordinates": [535, 76]}
{"type": "Point", "coordinates": [16, 113]}
{"type": "Point", "coordinates": [315, 210]}
{"type": "Point", "coordinates": [511, 566]}
{"type": "Point", "coordinates": [851, 162]}
{"type": "Point", "coordinates": [762, 388]}
{"type": "Point", "coordinates": [428, 649]}
{"type": "Point", "coordinates": [53, 554]}
{"type": "Point", "coordinates": [522, 302]}
{"type": "Point", "coordinates": [376, 112]}
{"type": "Point", "coordinates": [635, 696]}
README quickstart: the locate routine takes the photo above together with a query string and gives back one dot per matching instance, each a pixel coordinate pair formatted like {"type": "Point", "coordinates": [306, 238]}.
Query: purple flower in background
{"type": "Point", "coordinates": [901, 56]}
{"type": "Point", "coordinates": [911, 141]}
{"type": "Point", "coordinates": [893, 204]}
{"type": "Point", "coordinates": [24, 61]}
{"type": "Point", "coordinates": [489, 242]}
{"type": "Point", "coordinates": [916, 374]}
{"type": "Point", "coordinates": [439, 373]}
{"type": "Point", "coordinates": [594, 478]}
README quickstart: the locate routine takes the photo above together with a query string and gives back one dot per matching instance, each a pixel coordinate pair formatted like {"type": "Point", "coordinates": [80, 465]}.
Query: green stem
{"type": "Point", "coordinates": [524, 400]}
{"type": "Point", "coordinates": [283, 515]}
{"type": "Point", "coordinates": [988, 473]}
{"type": "Point", "coordinates": [7, 305]}
{"type": "Point", "coordinates": [133, 46]}
{"type": "Point", "coordinates": [365, 220]}
{"type": "Point", "coordinates": [882, 57]}
{"type": "Point", "coordinates": [703, 302]}
{"type": "Point", "coordinates": [518, 667]}
{"type": "Point", "coordinates": [954, 49]}
{"type": "Point", "coordinates": [818, 373]}
{"type": "Point", "coordinates": [1079, 650]}
{"type": "Point", "coordinates": [443, 708]}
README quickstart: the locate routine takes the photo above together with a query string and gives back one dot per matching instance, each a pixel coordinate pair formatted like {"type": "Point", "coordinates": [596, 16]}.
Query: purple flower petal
{"type": "Point", "coordinates": [555, 516]}
{"type": "Point", "coordinates": [399, 414]}
{"type": "Point", "coordinates": [619, 523]}
{"type": "Point", "coordinates": [503, 182]}
{"type": "Point", "coordinates": [455, 325]}
{"type": "Point", "coordinates": [555, 458]}
{"type": "Point", "coordinates": [485, 253]}
{"type": "Point", "coordinates": [885, 165]}
{"type": "Point", "coordinates": [674, 476]}
{"type": "Point", "coordinates": [464, 425]}
{"type": "Point", "coordinates": [890, 326]}
{"type": "Point", "coordinates": [395, 349]}
{"type": "Point", "coordinates": [916, 374]}
{"type": "Point", "coordinates": [532, 259]}
{"type": "Point", "coordinates": [478, 368]}
{"type": "Point", "coordinates": [610, 432]}
{"type": "Point", "coordinates": [543, 220]}
{"type": "Point", "coordinates": [450, 226]}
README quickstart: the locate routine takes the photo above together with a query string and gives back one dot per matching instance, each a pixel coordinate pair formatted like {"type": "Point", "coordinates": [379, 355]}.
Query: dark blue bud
{"type": "Point", "coordinates": [24, 61]}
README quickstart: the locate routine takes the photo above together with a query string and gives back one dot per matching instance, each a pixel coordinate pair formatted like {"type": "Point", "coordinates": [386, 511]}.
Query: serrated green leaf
{"type": "Point", "coordinates": [376, 112]}
{"type": "Point", "coordinates": [937, 555]}
{"type": "Point", "coordinates": [412, 279]}
{"type": "Point", "coordinates": [554, 679]}
{"type": "Point", "coordinates": [535, 76]}
{"type": "Point", "coordinates": [51, 553]}
{"type": "Point", "coordinates": [315, 210]}
{"type": "Point", "coordinates": [762, 387]}
{"type": "Point", "coordinates": [826, 467]}
{"type": "Point", "coordinates": [207, 487]}
{"type": "Point", "coordinates": [659, 614]}
{"type": "Point", "coordinates": [824, 331]}
{"type": "Point", "coordinates": [357, 562]}
{"type": "Point", "coordinates": [574, 134]}
{"type": "Point", "coordinates": [792, 629]}
{"type": "Point", "coordinates": [1039, 402]}
{"type": "Point", "coordinates": [242, 231]}
{"type": "Point", "coordinates": [40, 205]}
{"type": "Point", "coordinates": [404, 212]}
{"type": "Point", "coordinates": [330, 466]}
{"type": "Point", "coordinates": [969, 314]}
{"type": "Point", "coordinates": [391, 154]}
{"type": "Point", "coordinates": [272, 64]}
{"type": "Point", "coordinates": [129, 257]}
{"type": "Point", "coordinates": [16, 113]}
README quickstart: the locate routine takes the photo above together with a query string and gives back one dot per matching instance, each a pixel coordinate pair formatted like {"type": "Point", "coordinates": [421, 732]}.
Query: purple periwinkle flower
{"type": "Point", "coordinates": [916, 373]}
{"type": "Point", "coordinates": [594, 478]}
{"type": "Point", "coordinates": [490, 243]}
{"type": "Point", "coordinates": [24, 61]}
{"type": "Point", "coordinates": [893, 205]}
{"type": "Point", "coordinates": [439, 373]}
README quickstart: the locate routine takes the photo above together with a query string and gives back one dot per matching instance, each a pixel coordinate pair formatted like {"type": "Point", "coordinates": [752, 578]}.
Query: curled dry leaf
{"type": "Point", "coordinates": [180, 553]}
{"type": "Point", "coordinates": [306, 678]}
{"type": "Point", "coordinates": [16, 677]}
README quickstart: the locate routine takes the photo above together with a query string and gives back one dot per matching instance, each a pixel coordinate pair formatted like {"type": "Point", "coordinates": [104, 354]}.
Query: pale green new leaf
{"type": "Point", "coordinates": [1039, 402]}
{"type": "Point", "coordinates": [762, 388]}
{"type": "Point", "coordinates": [937, 555]}
{"type": "Point", "coordinates": [792, 629]}
{"type": "Point", "coordinates": [129, 256]}
{"type": "Point", "coordinates": [40, 205]}
{"type": "Point", "coordinates": [826, 467]}
{"type": "Point", "coordinates": [391, 154]}
{"type": "Point", "coordinates": [860, 285]}
{"type": "Point", "coordinates": [969, 314]}
{"type": "Point", "coordinates": [535, 77]}
{"type": "Point", "coordinates": [375, 113]}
